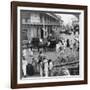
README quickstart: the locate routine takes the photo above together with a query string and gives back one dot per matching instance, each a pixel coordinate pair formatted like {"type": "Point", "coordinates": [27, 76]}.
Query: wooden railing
{"type": "Point", "coordinates": [72, 64]}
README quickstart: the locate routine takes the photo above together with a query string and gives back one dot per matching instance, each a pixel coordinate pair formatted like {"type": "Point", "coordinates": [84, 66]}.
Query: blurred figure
{"type": "Point", "coordinates": [64, 45]}
{"type": "Point", "coordinates": [40, 62]}
{"type": "Point", "coordinates": [34, 64]}
{"type": "Point", "coordinates": [50, 67]}
{"type": "Point", "coordinates": [30, 66]}
{"type": "Point", "coordinates": [58, 45]}
{"type": "Point", "coordinates": [29, 55]}
{"type": "Point", "coordinates": [24, 52]}
{"type": "Point", "coordinates": [41, 40]}
{"type": "Point", "coordinates": [45, 62]}
{"type": "Point", "coordinates": [64, 72]}
{"type": "Point", "coordinates": [30, 51]}
{"type": "Point", "coordinates": [24, 64]}
{"type": "Point", "coordinates": [24, 61]}
{"type": "Point", "coordinates": [68, 43]}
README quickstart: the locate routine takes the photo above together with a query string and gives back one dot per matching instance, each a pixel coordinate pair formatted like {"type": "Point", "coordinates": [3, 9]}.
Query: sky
{"type": "Point", "coordinates": [67, 18]}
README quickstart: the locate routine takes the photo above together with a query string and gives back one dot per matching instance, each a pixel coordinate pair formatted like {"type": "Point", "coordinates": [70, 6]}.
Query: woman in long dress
{"type": "Point", "coordinates": [24, 64]}
{"type": "Point", "coordinates": [40, 62]}
{"type": "Point", "coordinates": [45, 61]}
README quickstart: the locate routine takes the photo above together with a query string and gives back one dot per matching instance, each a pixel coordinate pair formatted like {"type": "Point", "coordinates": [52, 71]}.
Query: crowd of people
{"type": "Point", "coordinates": [31, 65]}
{"type": "Point", "coordinates": [39, 66]}
{"type": "Point", "coordinates": [43, 66]}
{"type": "Point", "coordinates": [67, 43]}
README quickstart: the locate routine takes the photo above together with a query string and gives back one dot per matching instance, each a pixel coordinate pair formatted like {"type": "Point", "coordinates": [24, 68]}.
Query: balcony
{"type": "Point", "coordinates": [37, 22]}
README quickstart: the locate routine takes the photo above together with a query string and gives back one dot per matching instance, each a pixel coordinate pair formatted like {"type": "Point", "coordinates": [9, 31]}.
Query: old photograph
{"type": "Point", "coordinates": [49, 44]}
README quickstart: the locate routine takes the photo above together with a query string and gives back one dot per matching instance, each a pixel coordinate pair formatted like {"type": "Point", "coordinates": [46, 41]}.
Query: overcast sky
{"type": "Point", "coordinates": [67, 18]}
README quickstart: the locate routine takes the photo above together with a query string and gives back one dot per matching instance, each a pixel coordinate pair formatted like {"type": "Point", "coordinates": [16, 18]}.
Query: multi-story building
{"type": "Point", "coordinates": [38, 24]}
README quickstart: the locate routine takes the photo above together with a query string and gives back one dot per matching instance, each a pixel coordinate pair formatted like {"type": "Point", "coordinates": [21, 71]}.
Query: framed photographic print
{"type": "Point", "coordinates": [48, 44]}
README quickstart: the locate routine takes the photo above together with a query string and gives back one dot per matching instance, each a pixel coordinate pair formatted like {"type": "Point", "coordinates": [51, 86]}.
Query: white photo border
{"type": "Point", "coordinates": [81, 51]}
